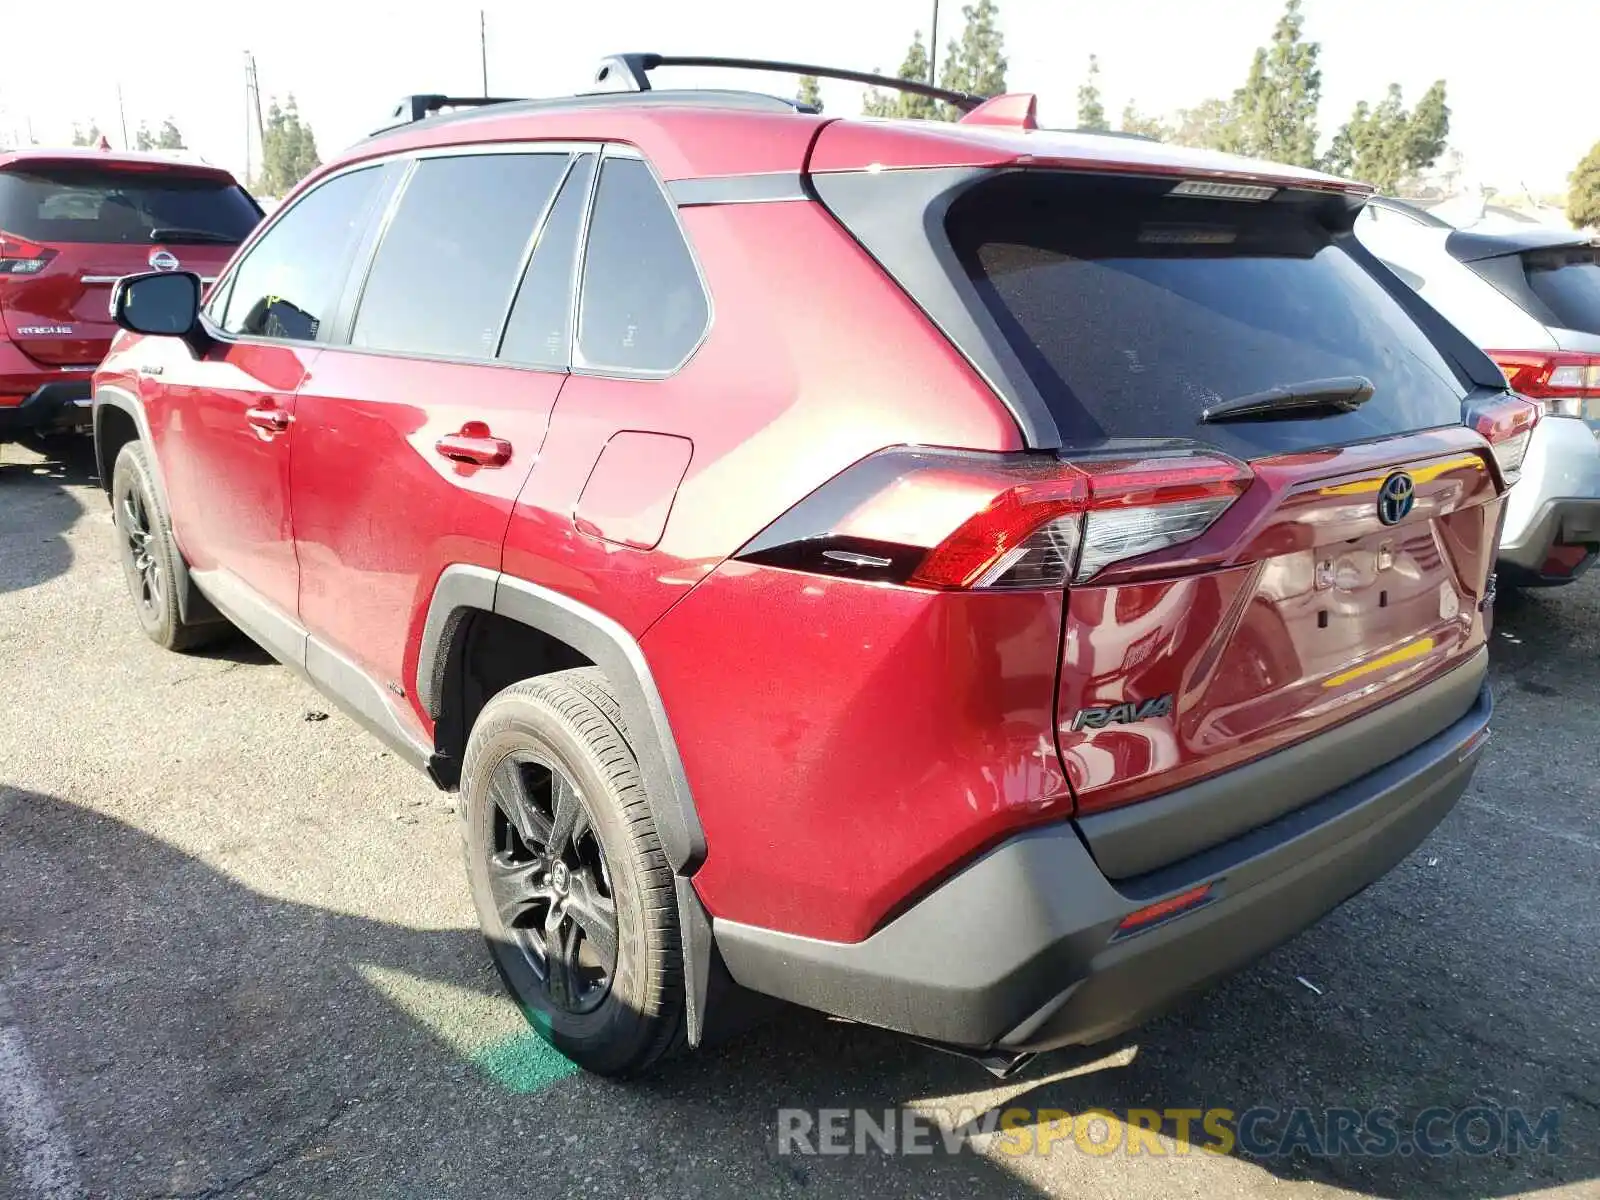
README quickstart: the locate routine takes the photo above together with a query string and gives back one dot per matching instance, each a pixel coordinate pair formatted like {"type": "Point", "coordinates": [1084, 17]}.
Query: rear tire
{"type": "Point", "coordinates": [573, 891]}
{"type": "Point", "coordinates": [149, 555]}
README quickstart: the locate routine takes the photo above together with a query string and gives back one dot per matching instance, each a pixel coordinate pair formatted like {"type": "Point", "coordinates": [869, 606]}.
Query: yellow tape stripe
{"type": "Point", "coordinates": [1405, 654]}
{"type": "Point", "coordinates": [1420, 475]}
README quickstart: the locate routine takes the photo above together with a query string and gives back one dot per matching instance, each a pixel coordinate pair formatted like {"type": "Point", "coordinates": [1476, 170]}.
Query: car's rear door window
{"type": "Point", "coordinates": [1567, 281]}
{"type": "Point", "coordinates": [110, 207]}
{"type": "Point", "coordinates": [539, 330]}
{"type": "Point", "coordinates": [447, 267]}
{"type": "Point", "coordinates": [1134, 310]}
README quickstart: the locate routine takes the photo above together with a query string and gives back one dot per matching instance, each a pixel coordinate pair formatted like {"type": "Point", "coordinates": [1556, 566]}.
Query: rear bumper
{"type": "Point", "coordinates": [59, 404]}
{"type": "Point", "coordinates": [1556, 503]}
{"type": "Point", "coordinates": [1568, 522]}
{"type": "Point", "coordinates": [1020, 950]}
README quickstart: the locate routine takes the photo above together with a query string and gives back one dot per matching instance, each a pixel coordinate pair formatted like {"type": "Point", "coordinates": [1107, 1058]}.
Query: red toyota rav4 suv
{"type": "Point", "coordinates": [71, 223]}
{"type": "Point", "coordinates": [977, 580]}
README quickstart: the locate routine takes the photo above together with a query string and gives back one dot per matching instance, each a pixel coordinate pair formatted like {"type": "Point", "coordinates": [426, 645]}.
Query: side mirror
{"type": "Point", "coordinates": [162, 304]}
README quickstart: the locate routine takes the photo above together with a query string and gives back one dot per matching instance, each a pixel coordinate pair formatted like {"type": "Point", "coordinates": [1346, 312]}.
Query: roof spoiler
{"type": "Point", "coordinates": [1465, 245]}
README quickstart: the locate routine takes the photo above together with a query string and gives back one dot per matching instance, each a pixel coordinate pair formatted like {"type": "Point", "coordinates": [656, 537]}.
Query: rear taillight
{"type": "Point", "coordinates": [1560, 383]}
{"type": "Point", "coordinates": [18, 256]}
{"type": "Point", "coordinates": [952, 520]}
{"type": "Point", "coordinates": [1506, 423]}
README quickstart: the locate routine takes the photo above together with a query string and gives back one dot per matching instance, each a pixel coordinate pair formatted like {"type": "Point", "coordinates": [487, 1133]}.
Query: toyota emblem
{"type": "Point", "coordinates": [163, 260]}
{"type": "Point", "coordinates": [1395, 498]}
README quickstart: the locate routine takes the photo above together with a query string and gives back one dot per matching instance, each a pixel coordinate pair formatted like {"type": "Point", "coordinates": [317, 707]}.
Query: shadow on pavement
{"type": "Point", "coordinates": [202, 1035]}
{"type": "Point", "coordinates": [37, 509]}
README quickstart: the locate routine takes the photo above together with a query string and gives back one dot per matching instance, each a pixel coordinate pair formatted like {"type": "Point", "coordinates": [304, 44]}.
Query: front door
{"type": "Point", "coordinates": [225, 422]}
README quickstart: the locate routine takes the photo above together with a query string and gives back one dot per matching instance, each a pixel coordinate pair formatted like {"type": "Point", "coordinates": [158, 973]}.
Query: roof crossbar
{"type": "Point", "coordinates": [630, 73]}
{"type": "Point", "coordinates": [417, 108]}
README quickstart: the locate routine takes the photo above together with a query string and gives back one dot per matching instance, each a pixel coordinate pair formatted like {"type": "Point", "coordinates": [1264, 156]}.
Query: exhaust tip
{"type": "Point", "coordinates": [1002, 1064]}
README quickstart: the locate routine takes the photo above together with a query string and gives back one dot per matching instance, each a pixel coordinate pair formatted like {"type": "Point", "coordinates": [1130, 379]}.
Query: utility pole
{"type": "Point", "coordinates": [483, 51]}
{"type": "Point", "coordinates": [252, 108]}
{"type": "Point", "coordinates": [933, 44]}
{"type": "Point", "coordinates": [122, 113]}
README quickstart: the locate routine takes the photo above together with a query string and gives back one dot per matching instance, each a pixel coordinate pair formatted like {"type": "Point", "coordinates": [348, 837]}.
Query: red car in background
{"type": "Point", "coordinates": [72, 222]}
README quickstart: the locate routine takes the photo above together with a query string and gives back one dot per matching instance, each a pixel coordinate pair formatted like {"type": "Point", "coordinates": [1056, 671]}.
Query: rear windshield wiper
{"type": "Point", "coordinates": [192, 235]}
{"type": "Point", "coordinates": [1313, 398]}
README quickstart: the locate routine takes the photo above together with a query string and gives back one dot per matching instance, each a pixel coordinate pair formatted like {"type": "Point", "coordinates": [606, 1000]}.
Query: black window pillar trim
{"type": "Point", "coordinates": [916, 252]}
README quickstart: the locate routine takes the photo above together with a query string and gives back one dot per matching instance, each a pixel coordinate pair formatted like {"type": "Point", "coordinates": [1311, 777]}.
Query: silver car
{"type": "Point", "coordinates": [1530, 297]}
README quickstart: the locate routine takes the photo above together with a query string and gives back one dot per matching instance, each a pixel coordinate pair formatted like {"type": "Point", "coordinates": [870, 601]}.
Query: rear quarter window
{"type": "Point", "coordinates": [1132, 311]}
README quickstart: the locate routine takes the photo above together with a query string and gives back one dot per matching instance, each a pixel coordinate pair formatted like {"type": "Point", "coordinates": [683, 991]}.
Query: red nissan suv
{"type": "Point", "coordinates": [72, 222]}
{"type": "Point", "coordinates": [977, 580]}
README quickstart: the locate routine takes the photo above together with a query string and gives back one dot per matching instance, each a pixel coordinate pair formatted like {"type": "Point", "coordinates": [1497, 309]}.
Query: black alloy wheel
{"type": "Point", "coordinates": [550, 883]}
{"type": "Point", "coordinates": [145, 576]}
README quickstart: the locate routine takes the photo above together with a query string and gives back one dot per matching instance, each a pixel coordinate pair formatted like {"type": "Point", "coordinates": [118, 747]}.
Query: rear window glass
{"type": "Point", "coordinates": [1133, 311]}
{"type": "Point", "coordinates": [1568, 282]}
{"type": "Point", "coordinates": [110, 207]}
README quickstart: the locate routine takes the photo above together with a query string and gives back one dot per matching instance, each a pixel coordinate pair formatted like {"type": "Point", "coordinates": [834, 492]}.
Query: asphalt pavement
{"type": "Point", "coordinates": [237, 958]}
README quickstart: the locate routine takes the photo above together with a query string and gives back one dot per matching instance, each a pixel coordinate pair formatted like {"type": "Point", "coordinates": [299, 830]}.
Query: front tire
{"type": "Point", "coordinates": [149, 555]}
{"type": "Point", "coordinates": [572, 888]}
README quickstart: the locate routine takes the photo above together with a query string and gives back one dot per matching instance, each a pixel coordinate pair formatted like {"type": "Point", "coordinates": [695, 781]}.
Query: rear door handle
{"type": "Point", "coordinates": [475, 444]}
{"type": "Point", "coordinates": [267, 419]}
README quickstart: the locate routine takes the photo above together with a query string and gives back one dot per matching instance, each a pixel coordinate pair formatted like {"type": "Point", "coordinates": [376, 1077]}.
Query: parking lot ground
{"type": "Point", "coordinates": [237, 958]}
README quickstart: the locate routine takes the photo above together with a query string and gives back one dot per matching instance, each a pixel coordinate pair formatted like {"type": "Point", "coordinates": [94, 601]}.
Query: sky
{"type": "Point", "coordinates": [1525, 108]}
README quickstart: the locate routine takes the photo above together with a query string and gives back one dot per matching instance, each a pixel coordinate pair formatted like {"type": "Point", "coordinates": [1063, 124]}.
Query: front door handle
{"type": "Point", "coordinates": [267, 418]}
{"type": "Point", "coordinates": [476, 445]}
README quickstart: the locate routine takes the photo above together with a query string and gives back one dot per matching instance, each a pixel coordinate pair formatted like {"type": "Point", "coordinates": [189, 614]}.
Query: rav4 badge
{"type": "Point", "coordinates": [1122, 714]}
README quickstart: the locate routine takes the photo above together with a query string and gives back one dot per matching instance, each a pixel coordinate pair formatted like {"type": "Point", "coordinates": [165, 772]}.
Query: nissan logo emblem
{"type": "Point", "coordinates": [1396, 497]}
{"type": "Point", "coordinates": [164, 260]}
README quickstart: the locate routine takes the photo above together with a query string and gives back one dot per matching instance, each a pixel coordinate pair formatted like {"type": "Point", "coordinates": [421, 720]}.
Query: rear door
{"type": "Point", "coordinates": [413, 439]}
{"type": "Point", "coordinates": [86, 225]}
{"type": "Point", "coordinates": [1317, 594]}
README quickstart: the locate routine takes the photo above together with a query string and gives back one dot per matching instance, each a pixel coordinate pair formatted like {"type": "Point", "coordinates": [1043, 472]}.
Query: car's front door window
{"type": "Point", "coordinates": [290, 282]}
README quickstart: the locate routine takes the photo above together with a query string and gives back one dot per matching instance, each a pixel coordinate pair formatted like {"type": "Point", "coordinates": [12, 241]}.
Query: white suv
{"type": "Point", "coordinates": [1530, 297]}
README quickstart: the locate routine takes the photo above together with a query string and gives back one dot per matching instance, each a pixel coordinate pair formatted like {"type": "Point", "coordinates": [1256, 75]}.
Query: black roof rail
{"type": "Point", "coordinates": [630, 73]}
{"type": "Point", "coordinates": [420, 107]}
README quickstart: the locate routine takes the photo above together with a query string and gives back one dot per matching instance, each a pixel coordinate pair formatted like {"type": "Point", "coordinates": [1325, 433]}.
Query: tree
{"type": "Point", "coordinates": [1583, 200]}
{"type": "Point", "coordinates": [905, 104]}
{"type": "Point", "coordinates": [169, 138]}
{"type": "Point", "coordinates": [1430, 126]}
{"type": "Point", "coordinates": [1210, 125]}
{"type": "Point", "coordinates": [288, 150]}
{"type": "Point", "coordinates": [976, 63]}
{"type": "Point", "coordinates": [89, 137]}
{"type": "Point", "coordinates": [810, 93]}
{"type": "Point", "coordinates": [1388, 145]}
{"type": "Point", "coordinates": [1092, 113]}
{"type": "Point", "coordinates": [1134, 121]}
{"type": "Point", "coordinates": [143, 139]}
{"type": "Point", "coordinates": [1277, 106]}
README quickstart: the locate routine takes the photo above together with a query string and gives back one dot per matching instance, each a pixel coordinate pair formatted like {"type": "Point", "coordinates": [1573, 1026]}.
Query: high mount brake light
{"type": "Point", "coordinates": [18, 256]}
{"type": "Point", "coordinates": [953, 521]}
{"type": "Point", "coordinates": [1506, 423]}
{"type": "Point", "coordinates": [1212, 189]}
{"type": "Point", "coordinates": [1560, 383]}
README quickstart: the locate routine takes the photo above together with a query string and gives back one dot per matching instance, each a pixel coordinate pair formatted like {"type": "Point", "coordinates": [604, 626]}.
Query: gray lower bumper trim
{"type": "Point", "coordinates": [1019, 947]}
